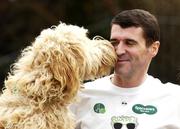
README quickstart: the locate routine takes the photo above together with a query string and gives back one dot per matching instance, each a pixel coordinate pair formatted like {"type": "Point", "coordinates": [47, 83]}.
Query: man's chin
{"type": "Point", "coordinates": [123, 72]}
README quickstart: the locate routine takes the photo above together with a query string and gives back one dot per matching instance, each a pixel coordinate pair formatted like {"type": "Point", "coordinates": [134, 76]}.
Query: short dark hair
{"type": "Point", "coordinates": [139, 18]}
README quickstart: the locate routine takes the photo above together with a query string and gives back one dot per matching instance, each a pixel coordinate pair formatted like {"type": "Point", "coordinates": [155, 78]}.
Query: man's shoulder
{"type": "Point", "coordinates": [175, 88]}
{"type": "Point", "coordinates": [168, 87]}
{"type": "Point", "coordinates": [157, 81]}
{"type": "Point", "coordinates": [171, 88]}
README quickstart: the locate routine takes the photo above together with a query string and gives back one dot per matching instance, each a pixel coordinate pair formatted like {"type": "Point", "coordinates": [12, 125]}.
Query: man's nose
{"type": "Point", "coordinates": [120, 49]}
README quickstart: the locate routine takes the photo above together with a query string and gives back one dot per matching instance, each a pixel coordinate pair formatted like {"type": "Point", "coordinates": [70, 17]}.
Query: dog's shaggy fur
{"type": "Point", "coordinates": [48, 74]}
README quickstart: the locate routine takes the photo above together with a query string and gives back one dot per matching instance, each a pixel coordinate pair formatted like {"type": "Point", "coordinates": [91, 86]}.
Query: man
{"type": "Point", "coordinates": [130, 98]}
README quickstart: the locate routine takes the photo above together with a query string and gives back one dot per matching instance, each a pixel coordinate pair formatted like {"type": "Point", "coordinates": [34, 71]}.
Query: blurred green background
{"type": "Point", "coordinates": [22, 20]}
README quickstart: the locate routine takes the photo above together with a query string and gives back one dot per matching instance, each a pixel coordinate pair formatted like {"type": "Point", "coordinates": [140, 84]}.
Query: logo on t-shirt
{"type": "Point", "coordinates": [125, 122]}
{"type": "Point", "coordinates": [99, 108]}
{"type": "Point", "coordinates": [140, 109]}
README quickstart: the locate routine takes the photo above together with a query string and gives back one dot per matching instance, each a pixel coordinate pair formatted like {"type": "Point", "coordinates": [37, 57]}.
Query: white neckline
{"type": "Point", "coordinates": [126, 91]}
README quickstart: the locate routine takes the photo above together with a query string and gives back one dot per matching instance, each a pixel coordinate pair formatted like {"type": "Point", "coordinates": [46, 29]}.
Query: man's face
{"type": "Point", "coordinates": [130, 46]}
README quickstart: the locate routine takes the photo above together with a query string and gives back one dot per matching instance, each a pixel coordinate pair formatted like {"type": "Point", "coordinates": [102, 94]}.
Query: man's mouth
{"type": "Point", "coordinates": [122, 60]}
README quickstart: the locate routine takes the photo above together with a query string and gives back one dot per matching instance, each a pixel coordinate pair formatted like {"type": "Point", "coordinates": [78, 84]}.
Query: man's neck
{"type": "Point", "coordinates": [125, 82]}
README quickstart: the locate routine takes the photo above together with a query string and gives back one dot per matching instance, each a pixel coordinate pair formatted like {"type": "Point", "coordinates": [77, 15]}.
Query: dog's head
{"type": "Point", "coordinates": [58, 61]}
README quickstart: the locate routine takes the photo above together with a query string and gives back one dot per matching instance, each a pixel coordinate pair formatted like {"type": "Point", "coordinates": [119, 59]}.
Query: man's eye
{"type": "Point", "coordinates": [114, 43]}
{"type": "Point", "coordinates": [130, 43]}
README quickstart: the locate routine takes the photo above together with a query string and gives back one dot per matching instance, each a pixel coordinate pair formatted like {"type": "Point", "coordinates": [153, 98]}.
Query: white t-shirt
{"type": "Point", "coordinates": [152, 105]}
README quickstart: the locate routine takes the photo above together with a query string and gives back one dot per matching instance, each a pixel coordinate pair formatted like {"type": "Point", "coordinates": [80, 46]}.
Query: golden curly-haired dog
{"type": "Point", "coordinates": [48, 74]}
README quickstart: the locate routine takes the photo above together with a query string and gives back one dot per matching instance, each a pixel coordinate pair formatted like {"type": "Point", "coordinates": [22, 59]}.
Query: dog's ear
{"type": "Point", "coordinates": [66, 63]}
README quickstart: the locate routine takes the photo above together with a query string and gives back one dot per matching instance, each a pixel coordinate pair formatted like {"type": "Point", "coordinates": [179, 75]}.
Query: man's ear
{"type": "Point", "coordinates": [154, 48]}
